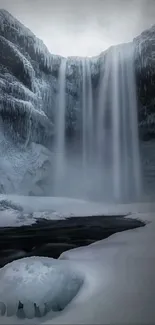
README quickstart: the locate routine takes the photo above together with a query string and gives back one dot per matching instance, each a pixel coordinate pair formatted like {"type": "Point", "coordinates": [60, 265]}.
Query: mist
{"type": "Point", "coordinates": [83, 28]}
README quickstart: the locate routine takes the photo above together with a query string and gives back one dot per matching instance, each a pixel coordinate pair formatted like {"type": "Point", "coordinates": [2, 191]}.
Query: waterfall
{"type": "Point", "coordinates": [87, 114]}
{"type": "Point", "coordinates": [60, 148]}
{"type": "Point", "coordinates": [118, 126]}
{"type": "Point", "coordinates": [107, 166]}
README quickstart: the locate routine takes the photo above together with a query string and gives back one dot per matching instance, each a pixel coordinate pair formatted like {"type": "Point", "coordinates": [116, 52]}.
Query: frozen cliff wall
{"type": "Point", "coordinates": [145, 76]}
{"type": "Point", "coordinates": [26, 88]}
{"type": "Point", "coordinates": [23, 83]}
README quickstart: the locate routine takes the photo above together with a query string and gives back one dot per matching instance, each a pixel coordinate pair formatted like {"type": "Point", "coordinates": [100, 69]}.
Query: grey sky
{"type": "Point", "coordinates": [83, 27]}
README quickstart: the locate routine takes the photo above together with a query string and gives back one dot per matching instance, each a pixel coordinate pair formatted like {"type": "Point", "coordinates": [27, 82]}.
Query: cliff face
{"type": "Point", "coordinates": [28, 88]}
{"type": "Point", "coordinates": [25, 81]}
{"type": "Point", "coordinates": [145, 77]}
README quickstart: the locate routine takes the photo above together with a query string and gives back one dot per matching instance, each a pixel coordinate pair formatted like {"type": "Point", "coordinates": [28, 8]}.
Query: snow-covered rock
{"type": "Point", "coordinates": [21, 87]}
{"type": "Point", "coordinates": [24, 169]}
{"type": "Point", "coordinates": [32, 287]}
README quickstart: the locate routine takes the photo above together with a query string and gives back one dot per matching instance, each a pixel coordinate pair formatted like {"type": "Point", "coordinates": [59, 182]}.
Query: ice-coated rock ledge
{"type": "Point", "coordinates": [33, 287]}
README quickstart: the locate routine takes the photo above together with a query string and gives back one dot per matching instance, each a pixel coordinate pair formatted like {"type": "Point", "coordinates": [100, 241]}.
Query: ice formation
{"type": "Point", "coordinates": [32, 287]}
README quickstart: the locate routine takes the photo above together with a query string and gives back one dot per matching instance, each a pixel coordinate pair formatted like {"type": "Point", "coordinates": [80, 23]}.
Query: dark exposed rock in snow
{"type": "Point", "coordinates": [28, 88]}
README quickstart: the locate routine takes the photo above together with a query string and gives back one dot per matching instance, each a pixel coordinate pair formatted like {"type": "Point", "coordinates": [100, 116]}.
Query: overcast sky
{"type": "Point", "coordinates": [83, 27]}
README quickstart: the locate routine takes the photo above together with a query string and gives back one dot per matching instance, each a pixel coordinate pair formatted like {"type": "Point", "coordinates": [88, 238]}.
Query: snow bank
{"type": "Point", "coordinates": [16, 211]}
{"type": "Point", "coordinates": [121, 289]}
{"type": "Point", "coordinates": [117, 273]}
{"type": "Point", "coordinates": [15, 218]}
{"type": "Point", "coordinates": [32, 287]}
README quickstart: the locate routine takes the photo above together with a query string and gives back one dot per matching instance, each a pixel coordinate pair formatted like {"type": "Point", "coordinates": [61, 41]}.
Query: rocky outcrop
{"type": "Point", "coordinates": [22, 82]}
{"type": "Point", "coordinates": [27, 87]}
{"type": "Point", "coordinates": [145, 77]}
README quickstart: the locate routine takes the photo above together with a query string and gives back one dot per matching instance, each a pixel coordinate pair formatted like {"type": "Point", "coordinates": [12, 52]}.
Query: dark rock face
{"type": "Point", "coordinates": [145, 77]}
{"type": "Point", "coordinates": [28, 88]}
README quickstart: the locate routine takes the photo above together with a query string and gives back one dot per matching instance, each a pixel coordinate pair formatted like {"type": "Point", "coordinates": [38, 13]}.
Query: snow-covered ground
{"type": "Point", "coordinates": [121, 279]}
{"type": "Point", "coordinates": [25, 210]}
{"type": "Point", "coordinates": [118, 272]}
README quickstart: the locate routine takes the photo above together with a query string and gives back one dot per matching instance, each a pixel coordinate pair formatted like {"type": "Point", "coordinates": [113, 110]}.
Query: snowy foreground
{"type": "Point", "coordinates": [25, 210]}
{"type": "Point", "coordinates": [115, 277]}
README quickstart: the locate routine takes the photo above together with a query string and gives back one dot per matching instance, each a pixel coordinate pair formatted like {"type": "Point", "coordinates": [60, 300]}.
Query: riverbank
{"type": "Point", "coordinates": [51, 238]}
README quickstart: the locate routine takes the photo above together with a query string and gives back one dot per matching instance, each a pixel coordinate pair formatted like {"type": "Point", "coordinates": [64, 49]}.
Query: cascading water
{"type": "Point", "coordinates": [87, 114]}
{"type": "Point", "coordinates": [118, 126]}
{"type": "Point", "coordinates": [87, 128]}
{"type": "Point", "coordinates": [60, 148]}
{"type": "Point", "coordinates": [107, 166]}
